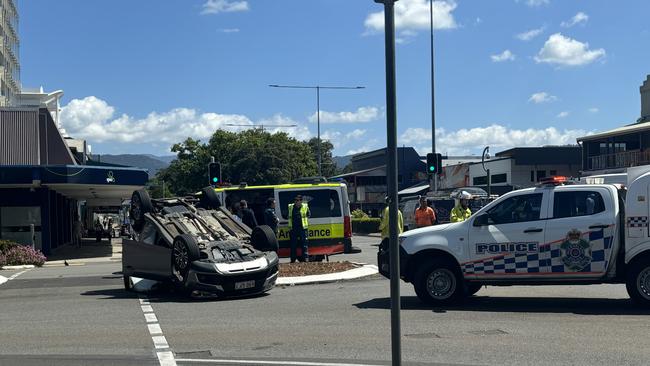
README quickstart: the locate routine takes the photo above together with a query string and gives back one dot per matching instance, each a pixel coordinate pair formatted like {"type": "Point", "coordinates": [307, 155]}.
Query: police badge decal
{"type": "Point", "coordinates": [576, 252]}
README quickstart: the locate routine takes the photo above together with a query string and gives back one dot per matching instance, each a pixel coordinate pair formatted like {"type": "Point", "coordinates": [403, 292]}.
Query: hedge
{"type": "Point", "coordinates": [12, 254]}
{"type": "Point", "coordinates": [366, 225]}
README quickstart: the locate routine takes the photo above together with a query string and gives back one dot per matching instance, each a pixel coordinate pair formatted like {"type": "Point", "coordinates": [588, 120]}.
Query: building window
{"type": "Point", "coordinates": [552, 172]}
{"type": "Point", "coordinates": [603, 148]}
{"type": "Point", "coordinates": [620, 147]}
{"type": "Point", "coordinates": [480, 181]}
{"type": "Point", "coordinates": [499, 178]}
{"type": "Point", "coordinates": [541, 174]}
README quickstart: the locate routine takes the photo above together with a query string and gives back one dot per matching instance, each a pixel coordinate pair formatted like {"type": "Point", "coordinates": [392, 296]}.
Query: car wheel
{"type": "Point", "coordinates": [438, 283]}
{"type": "Point", "coordinates": [472, 288]}
{"type": "Point", "coordinates": [127, 282]}
{"type": "Point", "coordinates": [263, 238]}
{"type": "Point", "coordinates": [140, 205]}
{"type": "Point", "coordinates": [185, 250]}
{"type": "Point", "coordinates": [638, 283]}
{"type": "Point", "coordinates": [209, 199]}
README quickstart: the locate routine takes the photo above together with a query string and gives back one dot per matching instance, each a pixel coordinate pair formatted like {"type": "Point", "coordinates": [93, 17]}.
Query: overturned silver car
{"type": "Point", "coordinates": [196, 245]}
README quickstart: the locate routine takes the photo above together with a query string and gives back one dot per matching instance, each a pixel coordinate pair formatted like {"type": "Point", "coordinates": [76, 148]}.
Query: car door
{"type": "Point", "coordinates": [580, 231]}
{"type": "Point", "coordinates": [504, 241]}
{"type": "Point", "coordinates": [148, 257]}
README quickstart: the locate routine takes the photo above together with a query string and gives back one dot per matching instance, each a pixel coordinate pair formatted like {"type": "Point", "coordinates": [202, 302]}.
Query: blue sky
{"type": "Point", "coordinates": [141, 75]}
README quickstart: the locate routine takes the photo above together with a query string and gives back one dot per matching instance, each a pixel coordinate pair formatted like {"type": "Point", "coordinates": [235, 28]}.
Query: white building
{"type": "Point", "coordinates": [9, 64]}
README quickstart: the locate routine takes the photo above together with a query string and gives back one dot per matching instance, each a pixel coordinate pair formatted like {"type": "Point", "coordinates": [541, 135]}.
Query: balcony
{"type": "Point", "coordinates": [623, 159]}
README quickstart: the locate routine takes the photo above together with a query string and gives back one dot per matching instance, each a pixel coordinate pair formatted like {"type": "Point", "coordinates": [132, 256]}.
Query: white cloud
{"type": "Point", "coordinates": [355, 134]}
{"type": "Point", "coordinates": [580, 18]}
{"type": "Point", "coordinates": [498, 137]}
{"type": "Point", "coordinates": [368, 146]}
{"type": "Point", "coordinates": [528, 35]}
{"type": "Point", "coordinates": [414, 15]}
{"type": "Point", "coordinates": [542, 97]}
{"type": "Point", "coordinates": [229, 30]}
{"type": "Point", "coordinates": [362, 114]}
{"type": "Point", "coordinates": [503, 56]}
{"type": "Point", "coordinates": [563, 114]}
{"type": "Point", "coordinates": [561, 50]}
{"type": "Point", "coordinates": [535, 3]}
{"type": "Point", "coordinates": [95, 120]}
{"type": "Point", "coordinates": [593, 110]}
{"type": "Point", "coordinates": [224, 6]}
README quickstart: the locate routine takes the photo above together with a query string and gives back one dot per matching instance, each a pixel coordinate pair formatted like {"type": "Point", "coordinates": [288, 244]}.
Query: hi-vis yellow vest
{"type": "Point", "coordinates": [303, 214]}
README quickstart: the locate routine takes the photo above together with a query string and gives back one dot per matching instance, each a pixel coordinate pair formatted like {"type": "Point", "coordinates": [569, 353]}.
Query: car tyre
{"type": "Point", "coordinates": [438, 283]}
{"type": "Point", "coordinates": [185, 250]}
{"type": "Point", "coordinates": [264, 239]}
{"type": "Point", "coordinates": [638, 282]}
{"type": "Point", "coordinates": [140, 205]}
{"type": "Point", "coordinates": [209, 199]}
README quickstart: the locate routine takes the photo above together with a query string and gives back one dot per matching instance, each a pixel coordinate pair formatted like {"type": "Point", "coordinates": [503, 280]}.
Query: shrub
{"type": "Point", "coordinates": [359, 214]}
{"type": "Point", "coordinates": [20, 255]}
{"type": "Point", "coordinates": [366, 225]}
{"type": "Point", "coordinates": [6, 245]}
{"type": "Point", "coordinates": [3, 260]}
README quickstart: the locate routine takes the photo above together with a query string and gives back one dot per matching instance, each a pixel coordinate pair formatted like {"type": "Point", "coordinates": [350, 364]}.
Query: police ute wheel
{"type": "Point", "coordinates": [263, 238]}
{"type": "Point", "coordinates": [140, 205]}
{"type": "Point", "coordinates": [438, 283]}
{"type": "Point", "coordinates": [472, 288]}
{"type": "Point", "coordinates": [209, 199]}
{"type": "Point", "coordinates": [185, 250]}
{"type": "Point", "coordinates": [638, 282]}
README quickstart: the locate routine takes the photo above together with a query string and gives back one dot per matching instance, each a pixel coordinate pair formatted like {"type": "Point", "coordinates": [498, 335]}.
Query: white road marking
{"type": "Point", "coordinates": [12, 277]}
{"type": "Point", "coordinates": [165, 355]}
{"type": "Point", "coordinates": [160, 342]}
{"type": "Point", "coordinates": [154, 329]}
{"type": "Point", "coordinates": [3, 279]}
{"type": "Point", "coordinates": [256, 362]}
{"type": "Point", "coordinates": [147, 309]}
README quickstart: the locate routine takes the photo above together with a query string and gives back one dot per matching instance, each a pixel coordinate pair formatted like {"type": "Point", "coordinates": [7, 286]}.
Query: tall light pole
{"type": "Point", "coordinates": [391, 180]}
{"type": "Point", "coordinates": [486, 155]}
{"type": "Point", "coordinates": [318, 89]}
{"type": "Point", "coordinates": [433, 99]}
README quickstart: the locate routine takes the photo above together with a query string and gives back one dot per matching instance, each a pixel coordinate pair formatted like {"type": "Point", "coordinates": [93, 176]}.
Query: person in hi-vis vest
{"type": "Point", "coordinates": [298, 228]}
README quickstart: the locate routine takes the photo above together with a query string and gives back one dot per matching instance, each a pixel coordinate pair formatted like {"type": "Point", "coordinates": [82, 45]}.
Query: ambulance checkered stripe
{"type": "Point", "coordinates": [637, 221]}
{"type": "Point", "coordinates": [549, 259]}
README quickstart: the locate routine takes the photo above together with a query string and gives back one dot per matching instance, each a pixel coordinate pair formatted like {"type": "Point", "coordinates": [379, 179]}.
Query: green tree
{"type": "Point", "coordinates": [156, 187]}
{"type": "Point", "coordinates": [328, 166]}
{"type": "Point", "coordinates": [252, 156]}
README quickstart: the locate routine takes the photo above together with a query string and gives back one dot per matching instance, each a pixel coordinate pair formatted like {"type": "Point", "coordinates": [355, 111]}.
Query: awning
{"type": "Point", "coordinates": [415, 190]}
{"type": "Point", "coordinates": [98, 185]}
{"type": "Point", "coordinates": [358, 172]}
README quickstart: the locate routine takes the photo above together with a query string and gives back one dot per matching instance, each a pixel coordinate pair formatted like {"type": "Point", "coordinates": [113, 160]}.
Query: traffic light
{"type": "Point", "coordinates": [214, 173]}
{"type": "Point", "coordinates": [434, 163]}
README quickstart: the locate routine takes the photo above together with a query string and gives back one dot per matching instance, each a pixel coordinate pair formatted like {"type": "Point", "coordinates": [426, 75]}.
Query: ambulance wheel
{"type": "Point", "coordinates": [472, 288]}
{"type": "Point", "coordinates": [438, 283]}
{"type": "Point", "coordinates": [638, 282]}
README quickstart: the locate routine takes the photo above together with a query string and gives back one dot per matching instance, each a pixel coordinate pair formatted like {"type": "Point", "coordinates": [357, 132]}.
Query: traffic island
{"type": "Point", "coordinates": [292, 274]}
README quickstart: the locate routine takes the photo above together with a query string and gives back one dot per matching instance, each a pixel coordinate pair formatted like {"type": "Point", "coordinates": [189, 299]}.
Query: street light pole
{"type": "Point", "coordinates": [318, 88]}
{"type": "Point", "coordinates": [391, 180]}
{"type": "Point", "coordinates": [486, 153]}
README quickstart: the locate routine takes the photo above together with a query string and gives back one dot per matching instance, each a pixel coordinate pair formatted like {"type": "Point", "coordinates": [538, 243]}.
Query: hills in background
{"type": "Point", "coordinates": [154, 163]}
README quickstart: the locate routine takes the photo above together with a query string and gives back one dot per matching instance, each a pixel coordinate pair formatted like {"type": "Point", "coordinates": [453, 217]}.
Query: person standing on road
{"type": "Point", "coordinates": [247, 215]}
{"type": "Point", "coordinates": [461, 211]}
{"type": "Point", "coordinates": [270, 218]}
{"type": "Point", "coordinates": [383, 224]}
{"type": "Point", "coordinates": [298, 228]}
{"type": "Point", "coordinates": [424, 215]}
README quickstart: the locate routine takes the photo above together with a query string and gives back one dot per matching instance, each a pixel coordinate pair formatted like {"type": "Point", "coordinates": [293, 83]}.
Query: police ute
{"type": "Point", "coordinates": [554, 234]}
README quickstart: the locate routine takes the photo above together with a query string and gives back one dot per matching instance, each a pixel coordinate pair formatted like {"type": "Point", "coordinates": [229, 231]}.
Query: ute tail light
{"type": "Point", "coordinates": [347, 227]}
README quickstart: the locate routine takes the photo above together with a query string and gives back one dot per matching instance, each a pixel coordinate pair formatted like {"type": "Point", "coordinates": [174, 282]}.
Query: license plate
{"type": "Point", "coordinates": [244, 285]}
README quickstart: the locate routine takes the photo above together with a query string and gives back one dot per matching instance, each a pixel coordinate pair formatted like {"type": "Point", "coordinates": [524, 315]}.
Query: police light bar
{"type": "Point", "coordinates": [554, 181]}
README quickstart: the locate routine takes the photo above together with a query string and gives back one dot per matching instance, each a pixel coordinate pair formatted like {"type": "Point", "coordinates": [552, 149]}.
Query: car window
{"type": "Point", "coordinates": [322, 202]}
{"type": "Point", "coordinates": [577, 203]}
{"type": "Point", "coordinates": [521, 208]}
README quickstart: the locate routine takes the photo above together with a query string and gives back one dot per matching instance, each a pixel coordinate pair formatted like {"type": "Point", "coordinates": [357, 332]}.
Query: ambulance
{"type": "Point", "coordinates": [554, 234]}
{"type": "Point", "coordinates": [330, 228]}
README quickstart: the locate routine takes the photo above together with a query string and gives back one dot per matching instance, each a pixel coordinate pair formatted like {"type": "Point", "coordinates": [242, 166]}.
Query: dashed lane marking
{"type": "Point", "coordinates": [163, 352]}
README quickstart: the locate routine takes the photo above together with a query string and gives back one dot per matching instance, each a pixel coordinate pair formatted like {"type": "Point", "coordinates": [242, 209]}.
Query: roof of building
{"type": "Point", "coordinates": [358, 172]}
{"type": "Point", "coordinates": [569, 154]}
{"type": "Point", "coordinates": [632, 128]}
